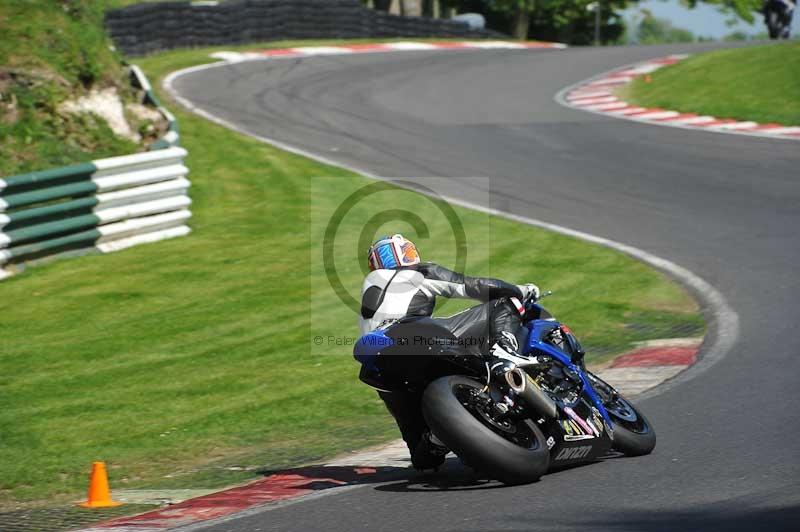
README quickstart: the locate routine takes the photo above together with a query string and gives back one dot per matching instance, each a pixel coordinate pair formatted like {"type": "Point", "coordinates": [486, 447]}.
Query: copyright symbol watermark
{"type": "Point", "coordinates": [386, 215]}
{"type": "Point", "coordinates": [347, 216]}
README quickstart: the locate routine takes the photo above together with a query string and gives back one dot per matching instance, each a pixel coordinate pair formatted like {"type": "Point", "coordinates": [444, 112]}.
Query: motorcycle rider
{"type": "Point", "coordinates": [778, 17]}
{"type": "Point", "coordinates": [401, 286]}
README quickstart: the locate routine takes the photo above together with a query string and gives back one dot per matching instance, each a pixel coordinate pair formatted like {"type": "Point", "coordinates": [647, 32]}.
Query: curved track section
{"type": "Point", "coordinates": [724, 206]}
{"type": "Point", "coordinates": [596, 95]}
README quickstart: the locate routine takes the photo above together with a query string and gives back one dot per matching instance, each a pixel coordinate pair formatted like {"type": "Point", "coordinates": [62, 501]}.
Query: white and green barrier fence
{"type": "Point", "coordinates": [172, 137]}
{"type": "Point", "coordinates": [102, 206]}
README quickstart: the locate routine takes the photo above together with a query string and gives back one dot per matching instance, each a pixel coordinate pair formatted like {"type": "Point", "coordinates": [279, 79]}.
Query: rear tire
{"type": "Point", "coordinates": [478, 445]}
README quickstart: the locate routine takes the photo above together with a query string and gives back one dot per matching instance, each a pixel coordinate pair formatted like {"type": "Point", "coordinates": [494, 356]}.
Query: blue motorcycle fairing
{"type": "Point", "coordinates": [538, 329]}
{"type": "Point", "coordinates": [369, 346]}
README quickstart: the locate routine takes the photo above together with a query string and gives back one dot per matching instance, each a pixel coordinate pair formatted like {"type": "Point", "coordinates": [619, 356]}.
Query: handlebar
{"type": "Point", "coordinates": [532, 299]}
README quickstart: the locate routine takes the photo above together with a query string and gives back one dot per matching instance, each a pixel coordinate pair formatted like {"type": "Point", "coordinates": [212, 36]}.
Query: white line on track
{"type": "Point", "coordinates": [578, 95]}
{"type": "Point", "coordinates": [594, 100]}
{"type": "Point", "coordinates": [318, 50]}
{"type": "Point", "coordinates": [737, 125]}
{"type": "Point", "coordinates": [783, 130]}
{"type": "Point", "coordinates": [410, 46]}
{"type": "Point", "coordinates": [255, 510]}
{"type": "Point", "coordinates": [627, 110]}
{"type": "Point", "coordinates": [694, 120]}
{"type": "Point", "coordinates": [607, 106]}
{"type": "Point", "coordinates": [655, 115]}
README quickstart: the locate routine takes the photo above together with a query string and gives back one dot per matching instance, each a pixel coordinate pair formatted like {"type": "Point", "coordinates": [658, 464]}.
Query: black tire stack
{"type": "Point", "coordinates": [140, 29]}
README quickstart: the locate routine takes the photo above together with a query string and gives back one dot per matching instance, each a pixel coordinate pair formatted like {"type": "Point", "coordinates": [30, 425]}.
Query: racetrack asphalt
{"type": "Point", "coordinates": [724, 206]}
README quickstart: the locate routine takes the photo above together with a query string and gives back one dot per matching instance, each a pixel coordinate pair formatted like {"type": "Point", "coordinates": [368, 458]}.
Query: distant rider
{"type": "Point", "coordinates": [778, 17]}
{"type": "Point", "coordinates": [401, 286]}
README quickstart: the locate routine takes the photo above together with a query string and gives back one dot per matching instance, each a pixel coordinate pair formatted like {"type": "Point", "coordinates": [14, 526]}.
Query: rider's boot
{"type": "Point", "coordinates": [429, 453]}
{"type": "Point", "coordinates": [505, 347]}
{"type": "Point", "coordinates": [504, 323]}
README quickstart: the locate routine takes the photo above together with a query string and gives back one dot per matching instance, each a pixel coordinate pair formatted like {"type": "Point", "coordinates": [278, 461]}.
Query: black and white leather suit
{"type": "Point", "coordinates": [390, 295]}
{"type": "Point", "coordinates": [778, 17]}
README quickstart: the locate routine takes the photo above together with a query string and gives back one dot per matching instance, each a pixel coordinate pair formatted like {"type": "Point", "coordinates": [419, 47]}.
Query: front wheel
{"type": "Point", "coordinates": [512, 451]}
{"type": "Point", "coordinates": [633, 433]}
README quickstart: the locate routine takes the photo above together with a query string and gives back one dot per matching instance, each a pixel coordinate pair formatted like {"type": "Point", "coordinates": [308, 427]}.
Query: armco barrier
{"type": "Point", "coordinates": [103, 205]}
{"type": "Point", "coordinates": [172, 137]}
{"type": "Point", "coordinates": [152, 26]}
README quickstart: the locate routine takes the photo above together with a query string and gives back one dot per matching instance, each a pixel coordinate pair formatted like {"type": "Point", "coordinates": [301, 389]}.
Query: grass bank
{"type": "Point", "coordinates": [189, 363]}
{"type": "Point", "coordinates": [51, 52]}
{"type": "Point", "coordinates": [760, 83]}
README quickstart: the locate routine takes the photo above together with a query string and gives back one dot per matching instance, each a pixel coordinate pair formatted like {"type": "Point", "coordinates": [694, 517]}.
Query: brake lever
{"type": "Point", "coordinates": [531, 299]}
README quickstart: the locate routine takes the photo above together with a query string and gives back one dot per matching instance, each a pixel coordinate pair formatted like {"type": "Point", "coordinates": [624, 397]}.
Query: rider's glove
{"type": "Point", "coordinates": [528, 290]}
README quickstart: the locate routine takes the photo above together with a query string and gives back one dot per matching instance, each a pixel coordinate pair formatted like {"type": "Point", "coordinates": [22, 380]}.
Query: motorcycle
{"type": "Point", "coordinates": [778, 17]}
{"type": "Point", "coordinates": [513, 421]}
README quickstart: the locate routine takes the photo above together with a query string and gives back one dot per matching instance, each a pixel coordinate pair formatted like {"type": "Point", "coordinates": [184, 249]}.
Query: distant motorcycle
{"type": "Point", "coordinates": [512, 422]}
{"type": "Point", "coordinates": [778, 17]}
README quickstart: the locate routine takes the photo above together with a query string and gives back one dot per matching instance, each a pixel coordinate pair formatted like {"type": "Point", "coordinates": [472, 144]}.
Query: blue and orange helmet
{"type": "Point", "coordinates": [392, 252]}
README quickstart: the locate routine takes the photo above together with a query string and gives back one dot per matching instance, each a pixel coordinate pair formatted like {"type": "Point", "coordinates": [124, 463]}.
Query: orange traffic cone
{"type": "Point", "coordinates": [99, 494]}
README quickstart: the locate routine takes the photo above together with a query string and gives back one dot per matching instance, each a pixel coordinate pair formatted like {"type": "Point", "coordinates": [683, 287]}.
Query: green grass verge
{"type": "Point", "coordinates": [188, 363]}
{"type": "Point", "coordinates": [760, 83]}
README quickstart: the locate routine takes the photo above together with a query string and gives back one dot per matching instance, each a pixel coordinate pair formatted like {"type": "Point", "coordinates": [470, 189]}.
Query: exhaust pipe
{"type": "Point", "coordinates": [530, 393]}
{"type": "Point", "coordinates": [516, 379]}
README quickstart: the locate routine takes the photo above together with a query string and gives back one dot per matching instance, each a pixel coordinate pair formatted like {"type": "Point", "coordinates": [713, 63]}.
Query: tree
{"type": "Point", "coordinates": [738, 35]}
{"type": "Point", "coordinates": [654, 30]}
{"type": "Point", "coordinates": [520, 12]}
{"type": "Point", "coordinates": [570, 21]}
{"type": "Point", "coordinates": [556, 20]}
{"type": "Point", "coordinates": [744, 9]}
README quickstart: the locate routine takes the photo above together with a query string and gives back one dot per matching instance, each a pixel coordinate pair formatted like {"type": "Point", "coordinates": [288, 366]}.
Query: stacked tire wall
{"type": "Point", "coordinates": [141, 29]}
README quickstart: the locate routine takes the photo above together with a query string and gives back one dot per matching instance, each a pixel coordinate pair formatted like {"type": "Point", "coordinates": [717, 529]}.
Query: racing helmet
{"type": "Point", "coordinates": [392, 252]}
